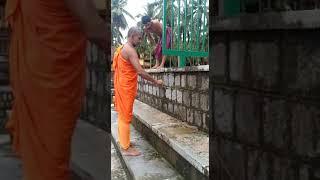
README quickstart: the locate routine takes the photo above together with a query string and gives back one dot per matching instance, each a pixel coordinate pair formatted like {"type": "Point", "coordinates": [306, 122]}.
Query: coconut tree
{"type": "Point", "coordinates": [118, 20]}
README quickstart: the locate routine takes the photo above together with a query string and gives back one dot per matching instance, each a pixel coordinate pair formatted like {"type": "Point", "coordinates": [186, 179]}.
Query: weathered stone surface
{"type": "Point", "coordinates": [183, 80]}
{"type": "Point", "coordinates": [232, 157]}
{"type": "Point", "coordinates": [170, 107]}
{"type": "Point", "coordinates": [186, 98]}
{"type": "Point", "coordinates": [247, 121]}
{"type": "Point", "coordinates": [303, 129]}
{"type": "Point", "coordinates": [192, 81]}
{"type": "Point", "coordinates": [168, 93]}
{"type": "Point", "coordinates": [237, 59]}
{"type": "Point", "coordinates": [174, 95]}
{"type": "Point", "coordinates": [195, 99]}
{"type": "Point", "coordinates": [171, 79]}
{"type": "Point", "coordinates": [220, 59]}
{"type": "Point", "coordinates": [182, 90]}
{"type": "Point", "coordinates": [223, 110]}
{"type": "Point", "coordinates": [179, 96]}
{"type": "Point", "coordinates": [204, 102]}
{"type": "Point", "coordinates": [205, 83]}
{"type": "Point", "coordinates": [283, 169]}
{"type": "Point", "coordinates": [301, 66]}
{"type": "Point", "coordinates": [257, 165]}
{"type": "Point", "coordinates": [264, 59]}
{"type": "Point", "coordinates": [198, 118]}
{"type": "Point", "coordinates": [190, 117]}
{"type": "Point", "coordinates": [177, 80]}
{"type": "Point", "coordinates": [275, 124]}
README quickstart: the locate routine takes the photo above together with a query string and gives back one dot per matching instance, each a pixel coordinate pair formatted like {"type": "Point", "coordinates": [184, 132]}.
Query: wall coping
{"type": "Point", "coordinates": [202, 68]}
{"type": "Point", "coordinates": [304, 19]}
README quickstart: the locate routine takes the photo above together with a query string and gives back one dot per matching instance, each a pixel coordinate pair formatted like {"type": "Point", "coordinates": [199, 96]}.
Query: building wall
{"type": "Point", "coordinates": [266, 102]}
{"type": "Point", "coordinates": [184, 96]}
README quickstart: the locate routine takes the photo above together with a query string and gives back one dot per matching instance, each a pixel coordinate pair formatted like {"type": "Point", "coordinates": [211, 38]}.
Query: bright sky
{"type": "Point", "coordinates": [134, 7]}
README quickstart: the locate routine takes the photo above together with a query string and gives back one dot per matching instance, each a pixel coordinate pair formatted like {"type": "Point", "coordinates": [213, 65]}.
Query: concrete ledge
{"type": "Point", "coordinates": [187, 143]}
{"type": "Point", "coordinates": [184, 69]}
{"type": "Point", "coordinates": [89, 148]}
{"type": "Point", "coordinates": [306, 19]}
{"type": "Point", "coordinates": [149, 165]}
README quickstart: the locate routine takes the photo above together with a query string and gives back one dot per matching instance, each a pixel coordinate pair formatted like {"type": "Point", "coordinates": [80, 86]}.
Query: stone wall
{"type": "Point", "coordinates": [184, 96]}
{"type": "Point", "coordinates": [266, 104]}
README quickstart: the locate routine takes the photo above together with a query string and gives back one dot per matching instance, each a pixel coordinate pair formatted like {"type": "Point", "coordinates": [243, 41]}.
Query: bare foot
{"type": "Point", "coordinates": [155, 66]}
{"type": "Point", "coordinates": [131, 152]}
{"type": "Point", "coordinates": [160, 67]}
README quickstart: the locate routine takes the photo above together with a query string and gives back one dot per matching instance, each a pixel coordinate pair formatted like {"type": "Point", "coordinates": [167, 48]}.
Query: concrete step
{"type": "Point", "coordinates": [117, 170]}
{"type": "Point", "coordinates": [149, 165]}
{"type": "Point", "coordinates": [89, 148]}
{"type": "Point", "coordinates": [184, 146]}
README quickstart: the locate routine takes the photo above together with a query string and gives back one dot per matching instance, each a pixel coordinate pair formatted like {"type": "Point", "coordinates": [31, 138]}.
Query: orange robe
{"type": "Point", "coordinates": [125, 89]}
{"type": "Point", "coordinates": [47, 74]}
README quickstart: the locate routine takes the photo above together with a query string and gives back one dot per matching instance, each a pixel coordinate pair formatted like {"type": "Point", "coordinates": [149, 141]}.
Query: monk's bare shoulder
{"type": "Point", "coordinates": [131, 52]}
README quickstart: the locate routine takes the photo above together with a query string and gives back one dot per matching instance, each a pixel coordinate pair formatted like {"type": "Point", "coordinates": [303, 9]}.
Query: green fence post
{"type": "Point", "coordinates": [182, 61]}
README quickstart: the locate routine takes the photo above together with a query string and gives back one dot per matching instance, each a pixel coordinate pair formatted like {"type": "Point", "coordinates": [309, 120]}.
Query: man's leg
{"type": "Point", "coordinates": [124, 138]}
{"type": "Point", "coordinates": [163, 60]}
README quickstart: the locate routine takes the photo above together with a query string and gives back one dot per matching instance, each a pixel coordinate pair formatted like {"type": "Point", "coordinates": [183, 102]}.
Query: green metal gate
{"type": "Point", "coordinates": [189, 23]}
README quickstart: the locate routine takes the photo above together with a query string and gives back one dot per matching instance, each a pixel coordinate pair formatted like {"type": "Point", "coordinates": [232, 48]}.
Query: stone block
{"type": "Point", "coordinates": [205, 121]}
{"type": "Point", "coordinates": [205, 82]}
{"type": "Point", "coordinates": [183, 80]}
{"type": "Point", "coordinates": [170, 107]}
{"type": "Point", "coordinates": [198, 118]}
{"type": "Point", "coordinates": [223, 112]}
{"type": "Point", "coordinates": [171, 79]}
{"type": "Point", "coordinates": [257, 165]}
{"type": "Point", "coordinates": [179, 96]}
{"type": "Point", "coordinates": [276, 115]}
{"type": "Point", "coordinates": [265, 66]}
{"type": "Point", "coordinates": [232, 156]}
{"type": "Point", "coordinates": [247, 117]}
{"type": "Point", "coordinates": [174, 95]}
{"type": "Point", "coordinates": [195, 100]}
{"type": "Point", "coordinates": [204, 102]}
{"type": "Point", "coordinates": [186, 98]}
{"type": "Point", "coordinates": [168, 93]}
{"type": "Point", "coordinates": [220, 59]}
{"type": "Point", "coordinates": [192, 81]}
{"type": "Point", "coordinates": [237, 59]}
{"type": "Point", "coordinates": [182, 112]}
{"type": "Point", "coordinates": [190, 115]}
{"type": "Point", "coordinates": [162, 92]}
{"type": "Point", "coordinates": [177, 80]}
{"type": "Point", "coordinates": [305, 129]}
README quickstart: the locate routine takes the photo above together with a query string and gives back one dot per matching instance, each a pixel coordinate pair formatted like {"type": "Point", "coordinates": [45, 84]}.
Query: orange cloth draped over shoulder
{"type": "Point", "coordinates": [47, 75]}
{"type": "Point", "coordinates": [125, 90]}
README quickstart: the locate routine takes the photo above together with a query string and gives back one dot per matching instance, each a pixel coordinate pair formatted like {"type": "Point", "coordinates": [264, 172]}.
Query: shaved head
{"type": "Point", "coordinates": [133, 31]}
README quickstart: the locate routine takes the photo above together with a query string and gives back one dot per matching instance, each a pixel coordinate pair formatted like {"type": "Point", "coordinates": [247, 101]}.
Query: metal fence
{"type": "Point", "coordinates": [189, 25]}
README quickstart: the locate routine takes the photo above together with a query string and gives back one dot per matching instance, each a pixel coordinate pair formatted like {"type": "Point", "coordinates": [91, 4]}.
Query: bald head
{"type": "Point", "coordinates": [134, 31]}
{"type": "Point", "coordinates": [134, 36]}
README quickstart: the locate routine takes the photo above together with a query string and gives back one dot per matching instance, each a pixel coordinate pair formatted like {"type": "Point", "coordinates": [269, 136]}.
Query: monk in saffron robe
{"type": "Point", "coordinates": [126, 70]}
{"type": "Point", "coordinates": [47, 74]}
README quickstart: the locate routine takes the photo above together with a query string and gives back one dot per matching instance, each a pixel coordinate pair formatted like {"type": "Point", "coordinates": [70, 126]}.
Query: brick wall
{"type": "Point", "coordinates": [266, 99]}
{"type": "Point", "coordinates": [184, 96]}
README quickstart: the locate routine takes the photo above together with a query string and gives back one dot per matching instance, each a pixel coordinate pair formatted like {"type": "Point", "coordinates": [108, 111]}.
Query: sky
{"type": "Point", "coordinates": [134, 7]}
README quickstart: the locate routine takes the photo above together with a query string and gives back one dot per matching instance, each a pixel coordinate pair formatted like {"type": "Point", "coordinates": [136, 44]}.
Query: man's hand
{"type": "Point", "coordinates": [159, 83]}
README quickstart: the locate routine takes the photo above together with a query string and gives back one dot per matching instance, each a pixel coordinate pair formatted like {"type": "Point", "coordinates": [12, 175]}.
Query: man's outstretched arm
{"type": "Point", "coordinates": [93, 25]}
{"type": "Point", "coordinates": [134, 60]}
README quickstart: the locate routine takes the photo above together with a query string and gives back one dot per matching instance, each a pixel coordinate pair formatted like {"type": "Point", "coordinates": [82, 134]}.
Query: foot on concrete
{"type": "Point", "coordinates": [155, 67]}
{"type": "Point", "coordinates": [131, 151]}
{"type": "Point", "coordinates": [160, 67]}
